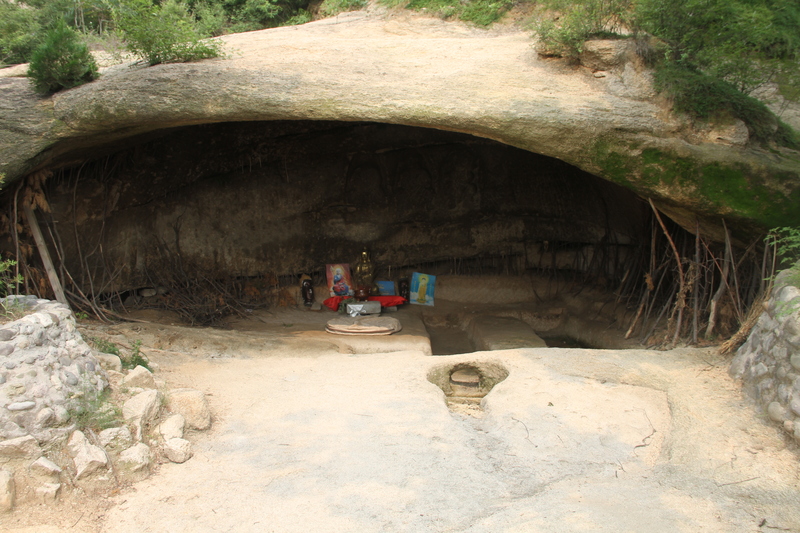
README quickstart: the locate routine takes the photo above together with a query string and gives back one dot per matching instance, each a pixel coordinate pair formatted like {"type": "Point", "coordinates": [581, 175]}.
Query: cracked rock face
{"type": "Point", "coordinates": [601, 117]}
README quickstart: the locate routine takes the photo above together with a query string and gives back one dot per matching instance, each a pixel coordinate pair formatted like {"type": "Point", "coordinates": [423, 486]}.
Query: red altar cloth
{"type": "Point", "coordinates": [333, 302]}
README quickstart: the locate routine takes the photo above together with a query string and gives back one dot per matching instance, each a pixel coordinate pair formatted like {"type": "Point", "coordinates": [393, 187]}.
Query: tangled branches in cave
{"type": "Point", "coordinates": [681, 287]}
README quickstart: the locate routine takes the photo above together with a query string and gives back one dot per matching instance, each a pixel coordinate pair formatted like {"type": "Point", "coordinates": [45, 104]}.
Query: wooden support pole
{"type": "Point", "coordinates": [45, 254]}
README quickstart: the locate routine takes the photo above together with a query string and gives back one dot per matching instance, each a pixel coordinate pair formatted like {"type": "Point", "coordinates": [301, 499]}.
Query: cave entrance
{"type": "Point", "coordinates": [219, 219]}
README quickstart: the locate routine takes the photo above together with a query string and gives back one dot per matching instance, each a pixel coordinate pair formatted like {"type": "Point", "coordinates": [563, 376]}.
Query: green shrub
{"type": "Point", "coordinates": [249, 15]}
{"type": "Point", "coordinates": [105, 346]}
{"type": "Point", "coordinates": [94, 410]}
{"type": "Point", "coordinates": [710, 55]}
{"type": "Point", "coordinates": [703, 96]}
{"type": "Point", "coordinates": [18, 33]}
{"type": "Point", "coordinates": [479, 12]}
{"type": "Point", "coordinates": [136, 358]}
{"type": "Point", "coordinates": [787, 243]}
{"type": "Point", "coordinates": [8, 285]}
{"type": "Point", "coordinates": [62, 61]}
{"type": "Point", "coordinates": [484, 13]}
{"type": "Point", "coordinates": [211, 18]}
{"type": "Point", "coordinates": [579, 22]}
{"type": "Point", "coordinates": [787, 248]}
{"type": "Point", "coordinates": [330, 8]}
{"type": "Point", "coordinates": [302, 17]}
{"type": "Point", "coordinates": [8, 280]}
{"type": "Point", "coordinates": [163, 34]}
{"type": "Point", "coordinates": [786, 136]}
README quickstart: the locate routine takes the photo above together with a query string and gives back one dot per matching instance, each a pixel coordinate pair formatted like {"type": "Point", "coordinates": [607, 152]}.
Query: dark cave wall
{"type": "Point", "coordinates": [247, 199]}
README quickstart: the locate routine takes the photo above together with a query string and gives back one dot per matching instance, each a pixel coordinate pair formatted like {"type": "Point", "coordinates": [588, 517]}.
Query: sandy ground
{"type": "Point", "coordinates": [309, 436]}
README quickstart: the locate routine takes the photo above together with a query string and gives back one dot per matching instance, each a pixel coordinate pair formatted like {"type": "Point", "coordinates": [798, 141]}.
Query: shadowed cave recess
{"type": "Point", "coordinates": [218, 219]}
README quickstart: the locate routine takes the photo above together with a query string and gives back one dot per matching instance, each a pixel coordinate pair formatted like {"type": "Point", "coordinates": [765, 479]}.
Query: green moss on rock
{"type": "Point", "coordinates": [735, 190]}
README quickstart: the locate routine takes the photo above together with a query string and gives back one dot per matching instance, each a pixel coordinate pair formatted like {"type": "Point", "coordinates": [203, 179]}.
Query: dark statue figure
{"type": "Point", "coordinates": [307, 290]}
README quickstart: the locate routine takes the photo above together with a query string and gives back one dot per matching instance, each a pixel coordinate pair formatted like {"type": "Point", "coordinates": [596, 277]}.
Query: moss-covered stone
{"type": "Point", "coordinates": [737, 190]}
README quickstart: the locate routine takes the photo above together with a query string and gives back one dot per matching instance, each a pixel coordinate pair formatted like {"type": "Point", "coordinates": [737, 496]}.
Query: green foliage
{"type": "Point", "coordinates": [787, 244]}
{"type": "Point", "coordinates": [62, 61]}
{"type": "Point", "coordinates": [93, 410]}
{"type": "Point", "coordinates": [165, 33]}
{"type": "Point", "coordinates": [329, 8]}
{"type": "Point", "coordinates": [579, 22]}
{"type": "Point", "coordinates": [302, 17]}
{"type": "Point", "coordinates": [484, 13]}
{"type": "Point", "coordinates": [128, 362]}
{"type": "Point", "coordinates": [18, 32]}
{"type": "Point", "coordinates": [156, 28]}
{"type": "Point", "coordinates": [247, 15]}
{"type": "Point", "coordinates": [479, 12]}
{"type": "Point", "coordinates": [8, 285]}
{"type": "Point", "coordinates": [704, 96]}
{"type": "Point", "coordinates": [786, 136]}
{"type": "Point", "coordinates": [713, 53]}
{"type": "Point", "coordinates": [82, 15]}
{"type": "Point", "coordinates": [105, 346]}
{"type": "Point", "coordinates": [211, 18]}
{"type": "Point", "coordinates": [136, 358]}
{"type": "Point", "coordinates": [8, 280]}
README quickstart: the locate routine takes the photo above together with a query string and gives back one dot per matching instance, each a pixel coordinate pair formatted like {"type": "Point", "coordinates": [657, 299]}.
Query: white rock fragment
{"type": "Point", "coordinates": [20, 447]}
{"type": "Point", "coordinates": [89, 460]}
{"type": "Point", "coordinates": [109, 361]}
{"type": "Point", "coordinates": [21, 406]}
{"type": "Point", "coordinates": [87, 457]}
{"type": "Point", "coordinates": [48, 493]}
{"type": "Point", "coordinates": [45, 468]}
{"type": "Point", "coordinates": [178, 450]}
{"type": "Point", "coordinates": [61, 414]}
{"type": "Point", "coordinates": [115, 379]}
{"type": "Point", "coordinates": [776, 412]}
{"type": "Point", "coordinates": [143, 408]}
{"type": "Point", "coordinates": [139, 377]}
{"type": "Point", "coordinates": [192, 405]}
{"type": "Point", "coordinates": [172, 427]}
{"type": "Point", "coordinates": [134, 463]}
{"type": "Point", "coordinates": [115, 438]}
{"type": "Point", "coordinates": [45, 418]}
{"type": "Point", "coordinates": [7, 491]}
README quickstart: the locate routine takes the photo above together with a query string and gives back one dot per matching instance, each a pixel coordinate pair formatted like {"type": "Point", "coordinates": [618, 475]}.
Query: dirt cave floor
{"type": "Point", "coordinates": [316, 432]}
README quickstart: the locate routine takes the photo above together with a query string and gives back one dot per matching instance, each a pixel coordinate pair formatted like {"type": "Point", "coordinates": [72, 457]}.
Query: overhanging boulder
{"type": "Point", "coordinates": [420, 72]}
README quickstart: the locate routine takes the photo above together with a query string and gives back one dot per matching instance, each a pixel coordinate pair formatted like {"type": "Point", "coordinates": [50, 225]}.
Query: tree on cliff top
{"type": "Point", "coordinates": [165, 33]}
{"type": "Point", "coordinates": [62, 61]}
{"type": "Point", "coordinates": [710, 55]}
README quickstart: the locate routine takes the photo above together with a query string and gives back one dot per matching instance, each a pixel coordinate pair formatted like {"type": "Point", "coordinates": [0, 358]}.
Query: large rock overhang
{"type": "Point", "coordinates": [429, 74]}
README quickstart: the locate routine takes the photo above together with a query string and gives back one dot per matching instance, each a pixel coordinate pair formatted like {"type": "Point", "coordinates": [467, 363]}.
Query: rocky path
{"type": "Point", "coordinates": [572, 440]}
{"type": "Point", "coordinates": [310, 437]}
{"type": "Point", "coordinates": [366, 443]}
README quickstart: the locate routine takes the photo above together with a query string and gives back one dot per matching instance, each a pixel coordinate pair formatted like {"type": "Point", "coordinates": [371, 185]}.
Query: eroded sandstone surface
{"type": "Point", "coordinates": [602, 117]}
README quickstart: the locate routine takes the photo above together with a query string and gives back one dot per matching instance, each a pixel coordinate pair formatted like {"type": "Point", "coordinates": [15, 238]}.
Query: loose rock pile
{"type": "Point", "coordinates": [48, 375]}
{"type": "Point", "coordinates": [769, 362]}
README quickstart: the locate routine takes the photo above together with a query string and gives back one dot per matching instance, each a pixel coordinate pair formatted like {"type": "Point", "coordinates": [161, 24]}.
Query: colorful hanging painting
{"type": "Point", "coordinates": [339, 281]}
{"type": "Point", "coordinates": [422, 288]}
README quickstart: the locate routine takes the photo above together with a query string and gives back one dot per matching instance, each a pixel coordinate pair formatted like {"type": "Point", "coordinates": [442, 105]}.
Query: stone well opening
{"type": "Point", "coordinates": [465, 383]}
{"type": "Point", "coordinates": [215, 219]}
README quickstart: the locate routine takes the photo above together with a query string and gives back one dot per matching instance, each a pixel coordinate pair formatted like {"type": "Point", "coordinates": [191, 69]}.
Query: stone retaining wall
{"type": "Point", "coordinates": [44, 363]}
{"type": "Point", "coordinates": [769, 362]}
{"type": "Point", "coordinates": [47, 375]}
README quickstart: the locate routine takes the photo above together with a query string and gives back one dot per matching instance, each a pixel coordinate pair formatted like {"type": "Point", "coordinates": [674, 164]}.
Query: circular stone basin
{"type": "Point", "coordinates": [467, 381]}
